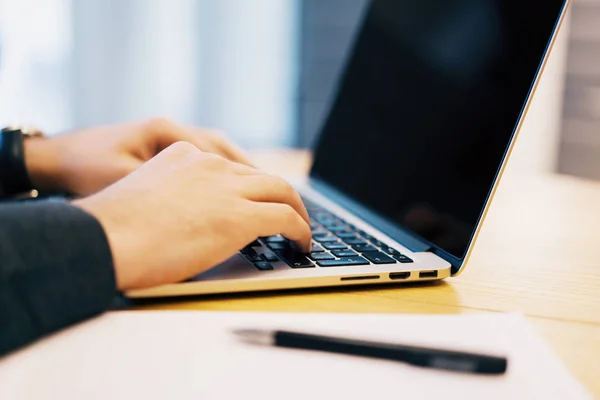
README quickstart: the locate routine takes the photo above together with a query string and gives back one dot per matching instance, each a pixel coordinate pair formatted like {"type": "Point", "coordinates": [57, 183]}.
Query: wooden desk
{"type": "Point", "coordinates": [537, 254]}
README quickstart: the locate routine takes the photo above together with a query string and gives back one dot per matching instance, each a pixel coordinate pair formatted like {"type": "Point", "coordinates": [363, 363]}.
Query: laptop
{"type": "Point", "coordinates": [422, 124]}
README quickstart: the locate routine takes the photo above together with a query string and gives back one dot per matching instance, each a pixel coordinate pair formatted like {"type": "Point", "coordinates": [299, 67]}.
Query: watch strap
{"type": "Point", "coordinates": [14, 178]}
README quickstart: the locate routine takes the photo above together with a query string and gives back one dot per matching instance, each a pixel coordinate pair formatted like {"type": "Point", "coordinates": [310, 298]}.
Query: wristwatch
{"type": "Point", "coordinates": [14, 179]}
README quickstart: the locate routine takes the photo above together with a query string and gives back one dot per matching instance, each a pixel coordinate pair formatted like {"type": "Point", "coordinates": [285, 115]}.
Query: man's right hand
{"type": "Point", "coordinates": [186, 211]}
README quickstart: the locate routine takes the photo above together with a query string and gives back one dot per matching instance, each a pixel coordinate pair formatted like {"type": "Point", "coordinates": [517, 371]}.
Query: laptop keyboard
{"type": "Point", "coordinates": [336, 243]}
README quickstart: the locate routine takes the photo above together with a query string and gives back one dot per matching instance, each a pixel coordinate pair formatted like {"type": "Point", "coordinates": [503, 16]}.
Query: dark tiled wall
{"type": "Point", "coordinates": [580, 141]}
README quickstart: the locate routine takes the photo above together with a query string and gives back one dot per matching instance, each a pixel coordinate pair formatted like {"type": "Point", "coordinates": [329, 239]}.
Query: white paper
{"type": "Point", "coordinates": [194, 355]}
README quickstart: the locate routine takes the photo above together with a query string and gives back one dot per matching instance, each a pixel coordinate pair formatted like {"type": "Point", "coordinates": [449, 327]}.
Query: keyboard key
{"type": "Point", "coordinates": [333, 224]}
{"type": "Point", "coordinates": [344, 253]}
{"type": "Point", "coordinates": [377, 257]}
{"type": "Point", "coordinates": [314, 225]}
{"type": "Point", "coordinates": [355, 242]}
{"type": "Point", "coordinates": [322, 218]}
{"type": "Point", "coordinates": [264, 266]}
{"type": "Point", "coordinates": [335, 246]}
{"type": "Point", "coordinates": [402, 258]}
{"type": "Point", "coordinates": [325, 239]}
{"type": "Point", "coordinates": [276, 239]}
{"type": "Point", "coordinates": [327, 223]}
{"type": "Point", "coordinates": [373, 240]}
{"type": "Point", "coordinates": [369, 237]}
{"type": "Point", "coordinates": [278, 246]}
{"type": "Point", "coordinates": [346, 235]}
{"type": "Point", "coordinates": [267, 255]}
{"type": "Point", "coordinates": [256, 243]}
{"type": "Point", "coordinates": [321, 256]}
{"type": "Point", "coordinates": [331, 239]}
{"type": "Point", "coordinates": [320, 232]}
{"type": "Point", "coordinates": [340, 228]}
{"type": "Point", "coordinates": [248, 251]}
{"type": "Point", "coordinates": [390, 250]}
{"type": "Point", "coordinates": [294, 258]}
{"type": "Point", "coordinates": [254, 257]}
{"type": "Point", "coordinates": [317, 249]}
{"type": "Point", "coordinates": [363, 248]}
{"type": "Point", "coordinates": [343, 262]}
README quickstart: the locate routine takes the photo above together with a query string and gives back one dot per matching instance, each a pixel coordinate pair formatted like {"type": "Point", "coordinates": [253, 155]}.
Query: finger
{"type": "Point", "coordinates": [166, 133]}
{"type": "Point", "coordinates": [281, 219]}
{"type": "Point", "coordinates": [129, 164]}
{"type": "Point", "coordinates": [215, 162]}
{"type": "Point", "coordinates": [226, 146]}
{"type": "Point", "coordinates": [243, 169]}
{"type": "Point", "coordinates": [273, 189]}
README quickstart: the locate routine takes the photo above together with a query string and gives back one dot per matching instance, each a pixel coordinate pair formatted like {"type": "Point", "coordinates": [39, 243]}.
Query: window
{"type": "Point", "coordinates": [228, 64]}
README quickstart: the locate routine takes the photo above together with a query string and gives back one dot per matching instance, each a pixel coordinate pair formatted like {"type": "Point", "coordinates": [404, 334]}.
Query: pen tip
{"type": "Point", "coordinates": [255, 336]}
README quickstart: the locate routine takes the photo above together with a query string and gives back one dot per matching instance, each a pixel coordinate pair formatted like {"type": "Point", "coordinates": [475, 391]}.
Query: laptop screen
{"type": "Point", "coordinates": [426, 108]}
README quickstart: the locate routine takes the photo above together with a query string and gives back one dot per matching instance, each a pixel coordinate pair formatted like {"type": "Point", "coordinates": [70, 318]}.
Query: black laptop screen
{"type": "Point", "coordinates": [427, 105]}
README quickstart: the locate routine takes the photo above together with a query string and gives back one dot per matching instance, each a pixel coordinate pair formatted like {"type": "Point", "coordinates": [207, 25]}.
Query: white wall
{"type": "Point", "coordinates": [228, 64]}
{"type": "Point", "coordinates": [224, 63]}
{"type": "Point", "coordinates": [132, 60]}
{"type": "Point", "coordinates": [248, 78]}
{"type": "Point", "coordinates": [34, 74]}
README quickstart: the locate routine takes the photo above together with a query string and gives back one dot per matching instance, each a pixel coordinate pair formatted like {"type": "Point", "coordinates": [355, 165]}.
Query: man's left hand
{"type": "Point", "coordinates": [87, 161]}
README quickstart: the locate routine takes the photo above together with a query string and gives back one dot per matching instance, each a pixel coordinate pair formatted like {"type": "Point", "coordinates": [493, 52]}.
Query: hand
{"type": "Point", "coordinates": [186, 211]}
{"type": "Point", "coordinates": [87, 161]}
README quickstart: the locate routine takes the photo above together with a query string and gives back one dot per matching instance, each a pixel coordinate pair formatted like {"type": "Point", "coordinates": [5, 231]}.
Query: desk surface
{"type": "Point", "coordinates": [537, 254]}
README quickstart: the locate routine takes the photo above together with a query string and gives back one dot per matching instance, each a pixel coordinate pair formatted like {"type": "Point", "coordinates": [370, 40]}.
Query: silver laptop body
{"type": "Point", "coordinates": [364, 238]}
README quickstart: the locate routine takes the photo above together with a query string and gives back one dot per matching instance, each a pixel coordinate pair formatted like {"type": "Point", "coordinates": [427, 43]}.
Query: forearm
{"type": "Point", "coordinates": [42, 161]}
{"type": "Point", "coordinates": [55, 270]}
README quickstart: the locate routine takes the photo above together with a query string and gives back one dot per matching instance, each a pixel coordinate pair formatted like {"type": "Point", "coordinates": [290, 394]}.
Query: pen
{"type": "Point", "coordinates": [420, 356]}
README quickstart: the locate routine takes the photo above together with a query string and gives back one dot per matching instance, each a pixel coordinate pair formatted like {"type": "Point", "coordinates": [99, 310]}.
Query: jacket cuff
{"type": "Point", "coordinates": [56, 269]}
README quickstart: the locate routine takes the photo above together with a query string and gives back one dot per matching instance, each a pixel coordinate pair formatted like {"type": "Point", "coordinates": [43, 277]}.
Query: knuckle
{"type": "Point", "coordinates": [251, 171]}
{"type": "Point", "coordinates": [287, 187]}
{"type": "Point", "coordinates": [216, 134]}
{"type": "Point", "coordinates": [214, 162]}
{"type": "Point", "coordinates": [213, 158]}
{"type": "Point", "coordinates": [159, 124]}
{"type": "Point", "coordinates": [182, 147]}
{"type": "Point", "coordinates": [289, 214]}
{"type": "Point", "coordinates": [282, 185]}
{"type": "Point", "coordinates": [241, 211]}
{"type": "Point", "coordinates": [163, 127]}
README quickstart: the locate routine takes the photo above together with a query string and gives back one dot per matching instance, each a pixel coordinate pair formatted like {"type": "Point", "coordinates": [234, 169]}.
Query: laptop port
{"type": "Point", "coordinates": [428, 274]}
{"type": "Point", "coordinates": [399, 275]}
{"type": "Point", "coordinates": [360, 278]}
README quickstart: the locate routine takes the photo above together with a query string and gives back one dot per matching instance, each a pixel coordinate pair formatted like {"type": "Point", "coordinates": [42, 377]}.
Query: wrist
{"type": "Point", "coordinates": [122, 245]}
{"type": "Point", "coordinates": [42, 164]}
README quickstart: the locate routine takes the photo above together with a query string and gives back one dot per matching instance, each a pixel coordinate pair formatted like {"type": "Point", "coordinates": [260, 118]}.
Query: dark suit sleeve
{"type": "Point", "coordinates": [55, 270]}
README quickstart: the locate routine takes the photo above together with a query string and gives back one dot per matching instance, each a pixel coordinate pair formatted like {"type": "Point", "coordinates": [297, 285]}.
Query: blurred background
{"type": "Point", "coordinates": [261, 70]}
